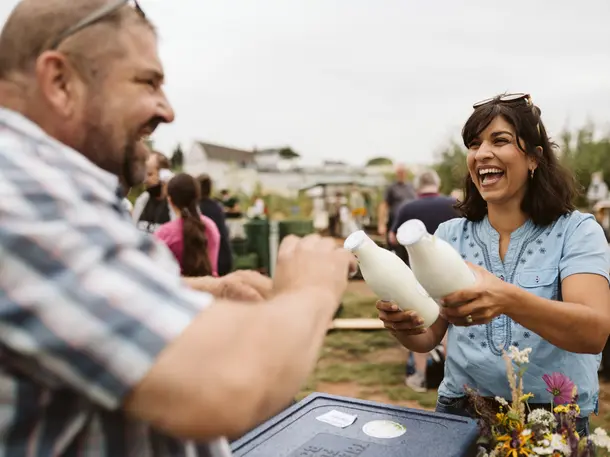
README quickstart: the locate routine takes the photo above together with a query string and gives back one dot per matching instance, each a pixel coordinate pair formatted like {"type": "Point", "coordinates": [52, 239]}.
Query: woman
{"type": "Point", "coordinates": [542, 268]}
{"type": "Point", "coordinates": [193, 239]}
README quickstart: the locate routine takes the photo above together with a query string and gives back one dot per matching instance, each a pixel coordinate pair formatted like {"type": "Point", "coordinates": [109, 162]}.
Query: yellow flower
{"type": "Point", "coordinates": [526, 397]}
{"type": "Point", "coordinates": [567, 408]}
{"type": "Point", "coordinates": [522, 448]}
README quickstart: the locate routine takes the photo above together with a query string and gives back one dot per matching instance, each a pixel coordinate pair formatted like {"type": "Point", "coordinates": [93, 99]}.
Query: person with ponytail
{"type": "Point", "coordinates": [193, 238]}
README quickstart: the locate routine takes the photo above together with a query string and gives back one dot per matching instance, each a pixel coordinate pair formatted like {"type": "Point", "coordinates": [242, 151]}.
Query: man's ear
{"type": "Point", "coordinates": [59, 83]}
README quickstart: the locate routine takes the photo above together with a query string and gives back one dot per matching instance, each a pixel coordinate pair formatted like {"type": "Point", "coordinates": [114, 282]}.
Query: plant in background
{"type": "Point", "coordinates": [512, 429]}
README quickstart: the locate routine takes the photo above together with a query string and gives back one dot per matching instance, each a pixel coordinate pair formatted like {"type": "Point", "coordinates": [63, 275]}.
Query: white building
{"type": "Point", "coordinates": [271, 170]}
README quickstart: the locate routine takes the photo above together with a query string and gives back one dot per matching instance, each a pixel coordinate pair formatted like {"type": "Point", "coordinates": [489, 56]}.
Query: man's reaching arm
{"type": "Point", "coordinates": [234, 366]}
{"type": "Point", "coordinates": [237, 365]}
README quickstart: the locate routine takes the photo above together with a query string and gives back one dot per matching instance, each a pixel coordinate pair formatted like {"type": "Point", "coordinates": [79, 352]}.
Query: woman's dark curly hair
{"type": "Point", "coordinates": [551, 191]}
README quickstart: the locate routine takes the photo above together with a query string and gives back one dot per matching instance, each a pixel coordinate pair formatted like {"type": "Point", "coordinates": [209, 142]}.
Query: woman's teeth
{"type": "Point", "coordinates": [490, 175]}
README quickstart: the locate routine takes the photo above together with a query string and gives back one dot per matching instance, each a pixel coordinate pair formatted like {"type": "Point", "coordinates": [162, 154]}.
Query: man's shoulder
{"type": "Point", "coordinates": [427, 202]}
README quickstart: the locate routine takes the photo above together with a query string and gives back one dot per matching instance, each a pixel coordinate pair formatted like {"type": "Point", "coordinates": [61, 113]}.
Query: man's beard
{"type": "Point", "coordinates": [100, 145]}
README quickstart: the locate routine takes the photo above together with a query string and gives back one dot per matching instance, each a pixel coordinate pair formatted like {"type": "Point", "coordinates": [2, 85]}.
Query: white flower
{"type": "Point", "coordinates": [600, 438]}
{"type": "Point", "coordinates": [557, 444]}
{"type": "Point", "coordinates": [542, 417]}
{"type": "Point", "coordinates": [526, 432]}
{"type": "Point", "coordinates": [519, 357]}
{"type": "Point", "coordinates": [501, 401]}
{"type": "Point", "coordinates": [543, 450]}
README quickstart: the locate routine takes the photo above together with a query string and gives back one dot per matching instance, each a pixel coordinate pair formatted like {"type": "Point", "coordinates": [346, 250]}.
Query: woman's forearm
{"type": "Point", "coordinates": [424, 342]}
{"type": "Point", "coordinates": [569, 326]}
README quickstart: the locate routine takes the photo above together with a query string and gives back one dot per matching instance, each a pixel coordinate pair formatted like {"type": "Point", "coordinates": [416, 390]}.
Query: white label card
{"type": "Point", "coordinates": [337, 418]}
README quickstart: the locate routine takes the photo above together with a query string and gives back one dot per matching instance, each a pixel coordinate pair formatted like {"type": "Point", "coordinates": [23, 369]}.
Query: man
{"type": "Point", "coordinates": [213, 210]}
{"type": "Point", "coordinates": [432, 209]}
{"type": "Point", "coordinates": [230, 204]}
{"type": "Point", "coordinates": [104, 350]}
{"type": "Point", "coordinates": [151, 209]}
{"type": "Point", "coordinates": [396, 194]}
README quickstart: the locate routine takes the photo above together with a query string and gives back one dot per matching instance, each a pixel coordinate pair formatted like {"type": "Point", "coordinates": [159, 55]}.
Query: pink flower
{"type": "Point", "coordinates": [560, 386]}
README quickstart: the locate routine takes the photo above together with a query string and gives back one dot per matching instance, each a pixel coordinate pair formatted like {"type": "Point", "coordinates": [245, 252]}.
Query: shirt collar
{"type": "Point", "coordinates": [18, 122]}
{"type": "Point", "coordinates": [518, 233]}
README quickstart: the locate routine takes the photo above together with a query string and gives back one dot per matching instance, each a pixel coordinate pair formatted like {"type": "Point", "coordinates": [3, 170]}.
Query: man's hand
{"type": "Point", "coordinates": [246, 285]}
{"type": "Point", "coordinates": [241, 285]}
{"type": "Point", "coordinates": [313, 262]}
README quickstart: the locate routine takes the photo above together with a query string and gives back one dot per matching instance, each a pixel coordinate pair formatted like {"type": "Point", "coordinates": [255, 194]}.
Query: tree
{"type": "Point", "coordinates": [177, 160]}
{"type": "Point", "coordinates": [585, 155]}
{"type": "Point", "coordinates": [452, 168]}
{"type": "Point", "coordinates": [378, 161]}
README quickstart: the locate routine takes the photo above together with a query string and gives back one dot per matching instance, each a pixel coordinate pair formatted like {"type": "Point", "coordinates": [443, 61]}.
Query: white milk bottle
{"type": "Point", "coordinates": [390, 278]}
{"type": "Point", "coordinates": [438, 267]}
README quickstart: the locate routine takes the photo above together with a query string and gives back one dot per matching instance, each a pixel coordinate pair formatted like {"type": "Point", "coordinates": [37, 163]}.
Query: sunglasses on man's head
{"type": "Point", "coordinates": [94, 17]}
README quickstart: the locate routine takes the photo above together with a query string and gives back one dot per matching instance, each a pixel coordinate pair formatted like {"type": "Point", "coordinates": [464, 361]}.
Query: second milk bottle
{"type": "Point", "coordinates": [437, 265]}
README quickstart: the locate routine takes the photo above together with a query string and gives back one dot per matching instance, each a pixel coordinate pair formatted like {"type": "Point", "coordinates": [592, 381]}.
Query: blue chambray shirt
{"type": "Point", "coordinates": [538, 258]}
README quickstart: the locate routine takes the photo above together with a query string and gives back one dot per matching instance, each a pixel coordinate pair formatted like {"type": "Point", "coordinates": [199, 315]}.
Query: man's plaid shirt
{"type": "Point", "coordinates": [87, 302]}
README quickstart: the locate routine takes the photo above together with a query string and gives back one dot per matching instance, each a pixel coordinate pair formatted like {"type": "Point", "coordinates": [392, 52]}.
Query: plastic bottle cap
{"type": "Point", "coordinates": [355, 240]}
{"type": "Point", "coordinates": [411, 232]}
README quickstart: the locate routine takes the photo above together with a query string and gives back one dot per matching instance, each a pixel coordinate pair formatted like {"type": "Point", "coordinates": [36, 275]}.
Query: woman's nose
{"type": "Point", "coordinates": [484, 152]}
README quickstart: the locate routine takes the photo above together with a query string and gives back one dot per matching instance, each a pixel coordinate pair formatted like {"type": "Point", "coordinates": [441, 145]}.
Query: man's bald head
{"type": "Point", "coordinates": [34, 25]}
{"type": "Point", "coordinates": [97, 88]}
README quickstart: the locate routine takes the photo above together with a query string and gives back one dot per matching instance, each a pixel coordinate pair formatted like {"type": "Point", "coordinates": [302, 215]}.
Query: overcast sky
{"type": "Point", "coordinates": [352, 79]}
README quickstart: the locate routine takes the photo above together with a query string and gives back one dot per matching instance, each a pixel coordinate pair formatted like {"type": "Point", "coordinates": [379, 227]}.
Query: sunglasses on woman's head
{"type": "Point", "coordinates": [94, 17]}
{"type": "Point", "coordinates": [513, 98]}
{"type": "Point", "coordinates": [507, 98]}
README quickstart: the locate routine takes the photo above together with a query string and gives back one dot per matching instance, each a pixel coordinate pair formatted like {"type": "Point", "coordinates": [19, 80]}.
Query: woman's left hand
{"type": "Point", "coordinates": [485, 300]}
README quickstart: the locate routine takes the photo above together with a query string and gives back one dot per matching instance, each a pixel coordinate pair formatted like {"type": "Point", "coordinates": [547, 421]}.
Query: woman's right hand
{"type": "Point", "coordinates": [395, 320]}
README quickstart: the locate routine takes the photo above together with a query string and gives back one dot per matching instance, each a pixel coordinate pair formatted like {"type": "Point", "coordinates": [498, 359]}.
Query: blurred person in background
{"type": "Point", "coordinates": [397, 193]}
{"type": "Point", "coordinates": [230, 204]}
{"type": "Point", "coordinates": [334, 216]}
{"type": "Point", "coordinates": [133, 174]}
{"type": "Point", "coordinates": [193, 238]}
{"type": "Point", "coordinates": [212, 209]}
{"type": "Point", "coordinates": [106, 350]}
{"type": "Point", "coordinates": [357, 205]}
{"type": "Point", "coordinates": [151, 209]}
{"type": "Point", "coordinates": [432, 209]}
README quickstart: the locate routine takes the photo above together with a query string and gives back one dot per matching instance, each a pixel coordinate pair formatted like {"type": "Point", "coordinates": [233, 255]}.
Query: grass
{"type": "Point", "coordinates": [350, 359]}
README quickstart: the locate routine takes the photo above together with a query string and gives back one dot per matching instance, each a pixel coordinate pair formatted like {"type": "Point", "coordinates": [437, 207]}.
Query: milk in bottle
{"type": "Point", "coordinates": [438, 267]}
{"type": "Point", "coordinates": [390, 278]}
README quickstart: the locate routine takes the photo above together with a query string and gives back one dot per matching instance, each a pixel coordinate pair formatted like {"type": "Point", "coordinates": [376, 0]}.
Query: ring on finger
{"type": "Point", "coordinates": [469, 319]}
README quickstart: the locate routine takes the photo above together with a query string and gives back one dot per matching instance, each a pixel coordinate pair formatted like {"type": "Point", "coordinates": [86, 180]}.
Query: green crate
{"type": "Point", "coordinates": [239, 246]}
{"type": "Point", "coordinates": [257, 233]}
{"type": "Point", "coordinates": [295, 227]}
{"type": "Point", "coordinates": [245, 262]}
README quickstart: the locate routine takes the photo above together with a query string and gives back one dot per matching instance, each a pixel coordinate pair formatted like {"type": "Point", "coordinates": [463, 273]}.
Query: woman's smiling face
{"type": "Point", "coordinates": [498, 167]}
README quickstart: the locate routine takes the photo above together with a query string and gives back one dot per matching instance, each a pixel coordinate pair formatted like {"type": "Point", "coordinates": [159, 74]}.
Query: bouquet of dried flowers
{"type": "Point", "coordinates": [512, 429]}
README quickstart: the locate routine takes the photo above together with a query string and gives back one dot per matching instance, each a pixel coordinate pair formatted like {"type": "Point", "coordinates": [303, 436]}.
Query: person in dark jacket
{"type": "Point", "coordinates": [432, 209]}
{"type": "Point", "coordinates": [212, 209]}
